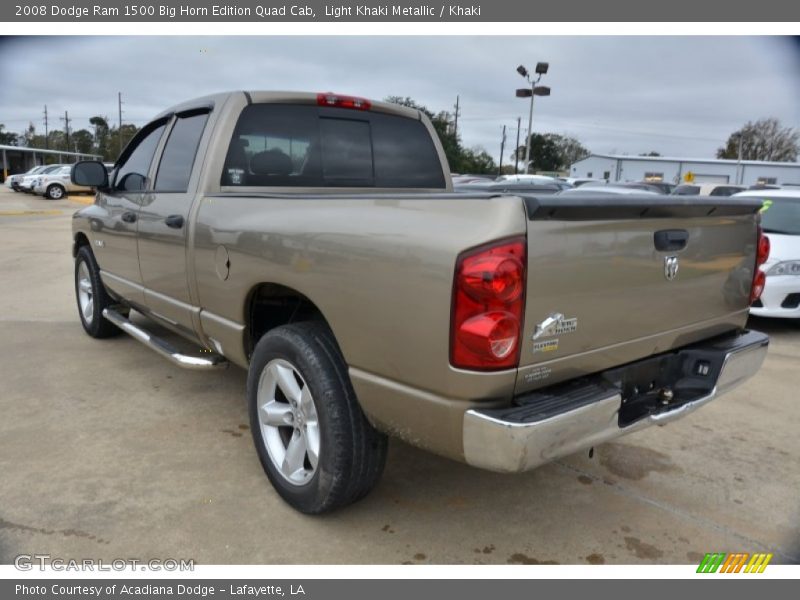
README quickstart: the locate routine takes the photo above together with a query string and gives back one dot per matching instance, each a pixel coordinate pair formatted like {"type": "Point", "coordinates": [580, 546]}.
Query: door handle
{"type": "Point", "coordinates": [129, 216]}
{"type": "Point", "coordinates": [174, 221]}
{"type": "Point", "coordinates": [670, 240]}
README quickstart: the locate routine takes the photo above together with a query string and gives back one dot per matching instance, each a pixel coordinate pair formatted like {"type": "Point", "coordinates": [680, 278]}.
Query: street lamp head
{"type": "Point", "coordinates": [523, 92]}
{"type": "Point", "coordinates": [541, 68]}
{"type": "Point", "coordinates": [522, 71]}
{"type": "Point", "coordinates": [541, 90]}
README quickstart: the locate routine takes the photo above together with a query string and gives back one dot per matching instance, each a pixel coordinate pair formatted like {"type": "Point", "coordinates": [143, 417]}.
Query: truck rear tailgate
{"type": "Point", "coordinates": [614, 279]}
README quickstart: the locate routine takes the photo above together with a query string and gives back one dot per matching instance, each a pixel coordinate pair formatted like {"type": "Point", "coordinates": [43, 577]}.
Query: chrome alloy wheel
{"type": "Point", "coordinates": [85, 293]}
{"type": "Point", "coordinates": [289, 423]}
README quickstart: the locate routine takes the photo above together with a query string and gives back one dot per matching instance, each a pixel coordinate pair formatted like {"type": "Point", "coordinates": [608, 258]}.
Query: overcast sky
{"type": "Point", "coordinates": [680, 96]}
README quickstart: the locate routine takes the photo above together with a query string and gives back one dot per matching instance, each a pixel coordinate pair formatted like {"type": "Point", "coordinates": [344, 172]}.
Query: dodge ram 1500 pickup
{"type": "Point", "coordinates": [316, 240]}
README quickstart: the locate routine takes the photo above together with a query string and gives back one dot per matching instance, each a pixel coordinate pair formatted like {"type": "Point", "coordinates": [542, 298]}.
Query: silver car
{"type": "Point", "coordinates": [56, 184]}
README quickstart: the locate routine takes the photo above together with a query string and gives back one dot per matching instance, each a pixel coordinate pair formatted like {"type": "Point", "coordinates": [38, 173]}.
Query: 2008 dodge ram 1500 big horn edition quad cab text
{"type": "Point", "coordinates": [315, 240]}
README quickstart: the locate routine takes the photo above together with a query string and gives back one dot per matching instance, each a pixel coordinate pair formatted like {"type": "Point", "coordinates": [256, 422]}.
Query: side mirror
{"type": "Point", "coordinates": [90, 173]}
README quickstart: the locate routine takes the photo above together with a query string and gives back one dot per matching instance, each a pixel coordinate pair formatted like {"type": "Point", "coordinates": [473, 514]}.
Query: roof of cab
{"type": "Point", "coordinates": [262, 96]}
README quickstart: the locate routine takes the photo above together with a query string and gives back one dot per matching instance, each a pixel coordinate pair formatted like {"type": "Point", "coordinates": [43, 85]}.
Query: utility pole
{"type": "Point", "coordinates": [66, 120]}
{"type": "Point", "coordinates": [502, 150]}
{"type": "Point", "coordinates": [516, 148]}
{"type": "Point", "coordinates": [46, 137]}
{"type": "Point", "coordinates": [455, 125]}
{"type": "Point", "coordinates": [119, 131]}
{"type": "Point", "coordinates": [739, 177]}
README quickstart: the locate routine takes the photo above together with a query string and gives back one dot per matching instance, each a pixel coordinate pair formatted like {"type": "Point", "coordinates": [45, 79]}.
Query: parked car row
{"type": "Point", "coordinates": [51, 181]}
{"type": "Point", "coordinates": [466, 182]}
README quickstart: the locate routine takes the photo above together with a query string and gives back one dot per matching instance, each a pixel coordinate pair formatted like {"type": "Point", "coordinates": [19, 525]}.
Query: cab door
{"type": "Point", "coordinates": [115, 242]}
{"type": "Point", "coordinates": [164, 222]}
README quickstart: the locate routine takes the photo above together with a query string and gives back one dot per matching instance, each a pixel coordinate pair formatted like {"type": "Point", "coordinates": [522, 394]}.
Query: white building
{"type": "Point", "coordinates": [623, 167]}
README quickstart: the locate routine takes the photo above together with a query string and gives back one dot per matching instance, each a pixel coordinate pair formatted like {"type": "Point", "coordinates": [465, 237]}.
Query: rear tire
{"type": "Point", "coordinates": [314, 442]}
{"type": "Point", "coordinates": [91, 296]}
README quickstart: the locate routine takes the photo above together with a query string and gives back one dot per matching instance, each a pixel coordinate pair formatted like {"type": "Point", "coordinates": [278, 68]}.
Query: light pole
{"type": "Point", "coordinates": [541, 90]}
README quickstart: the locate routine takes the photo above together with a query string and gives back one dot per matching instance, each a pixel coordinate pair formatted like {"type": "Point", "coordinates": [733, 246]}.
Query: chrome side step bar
{"type": "Point", "coordinates": [208, 361]}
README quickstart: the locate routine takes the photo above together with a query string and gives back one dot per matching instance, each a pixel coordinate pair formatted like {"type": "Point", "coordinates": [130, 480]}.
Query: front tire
{"type": "Point", "coordinates": [92, 296]}
{"type": "Point", "coordinates": [314, 442]}
{"type": "Point", "coordinates": [55, 192]}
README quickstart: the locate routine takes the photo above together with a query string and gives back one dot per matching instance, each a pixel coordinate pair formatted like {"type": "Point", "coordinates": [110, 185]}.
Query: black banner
{"type": "Point", "coordinates": [393, 589]}
{"type": "Point", "coordinates": [398, 11]}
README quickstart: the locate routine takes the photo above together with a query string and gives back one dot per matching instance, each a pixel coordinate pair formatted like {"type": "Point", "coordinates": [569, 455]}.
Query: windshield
{"type": "Point", "coordinates": [781, 215]}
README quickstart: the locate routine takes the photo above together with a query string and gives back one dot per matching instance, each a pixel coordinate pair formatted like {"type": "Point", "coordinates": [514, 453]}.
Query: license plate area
{"type": "Point", "coordinates": [665, 382]}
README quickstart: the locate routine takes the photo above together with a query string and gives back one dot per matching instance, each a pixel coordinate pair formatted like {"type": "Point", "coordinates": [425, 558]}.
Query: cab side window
{"type": "Point", "coordinates": [179, 153]}
{"type": "Point", "coordinates": [132, 172]}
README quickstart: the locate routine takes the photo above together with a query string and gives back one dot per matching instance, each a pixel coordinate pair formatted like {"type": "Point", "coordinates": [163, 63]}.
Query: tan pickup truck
{"type": "Point", "coordinates": [315, 240]}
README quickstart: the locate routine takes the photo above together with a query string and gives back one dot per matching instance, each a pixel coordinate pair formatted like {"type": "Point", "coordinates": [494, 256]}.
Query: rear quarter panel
{"type": "Point", "coordinates": [379, 269]}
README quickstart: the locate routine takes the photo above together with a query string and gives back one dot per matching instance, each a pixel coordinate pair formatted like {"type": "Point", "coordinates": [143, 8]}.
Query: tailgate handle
{"type": "Point", "coordinates": [670, 240]}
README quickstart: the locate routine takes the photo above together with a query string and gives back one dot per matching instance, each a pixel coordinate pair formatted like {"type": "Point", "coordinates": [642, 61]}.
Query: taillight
{"type": "Point", "coordinates": [759, 277]}
{"type": "Point", "coordinates": [763, 248]}
{"type": "Point", "coordinates": [488, 304]}
{"type": "Point", "coordinates": [338, 101]}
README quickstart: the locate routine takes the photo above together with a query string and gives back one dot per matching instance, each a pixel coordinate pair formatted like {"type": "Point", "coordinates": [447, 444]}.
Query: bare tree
{"type": "Point", "coordinates": [765, 139]}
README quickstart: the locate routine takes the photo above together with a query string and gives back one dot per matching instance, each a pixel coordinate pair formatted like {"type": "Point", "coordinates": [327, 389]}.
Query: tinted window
{"type": "Point", "coordinates": [404, 154]}
{"type": "Point", "coordinates": [686, 190]}
{"type": "Point", "coordinates": [724, 190]}
{"type": "Point", "coordinates": [132, 173]}
{"type": "Point", "coordinates": [781, 215]}
{"type": "Point", "coordinates": [300, 145]}
{"type": "Point", "coordinates": [346, 152]}
{"type": "Point", "coordinates": [179, 152]}
{"type": "Point", "coordinates": [274, 145]}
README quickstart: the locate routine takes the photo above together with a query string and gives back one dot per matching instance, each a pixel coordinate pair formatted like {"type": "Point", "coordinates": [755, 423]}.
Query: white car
{"type": "Point", "coordinates": [522, 178]}
{"type": "Point", "coordinates": [29, 181]}
{"type": "Point", "coordinates": [607, 189]}
{"type": "Point", "coordinates": [14, 181]}
{"type": "Point", "coordinates": [56, 184]}
{"type": "Point", "coordinates": [780, 219]}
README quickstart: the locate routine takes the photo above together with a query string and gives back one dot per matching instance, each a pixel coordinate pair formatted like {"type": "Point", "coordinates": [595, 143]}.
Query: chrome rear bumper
{"type": "Point", "coordinates": [546, 426]}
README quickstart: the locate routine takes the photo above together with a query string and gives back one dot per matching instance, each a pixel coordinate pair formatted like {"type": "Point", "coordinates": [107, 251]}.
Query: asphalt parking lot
{"type": "Point", "coordinates": [108, 451]}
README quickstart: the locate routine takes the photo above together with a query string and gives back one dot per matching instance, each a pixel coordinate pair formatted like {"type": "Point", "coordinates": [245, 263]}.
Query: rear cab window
{"type": "Point", "coordinates": [285, 145]}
